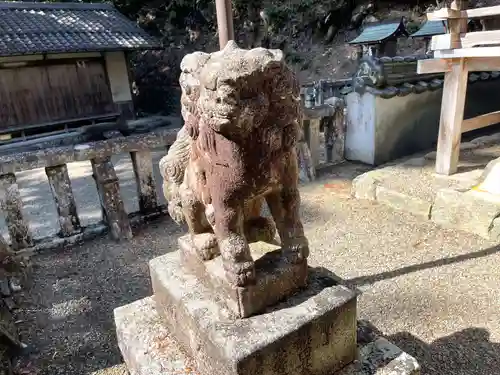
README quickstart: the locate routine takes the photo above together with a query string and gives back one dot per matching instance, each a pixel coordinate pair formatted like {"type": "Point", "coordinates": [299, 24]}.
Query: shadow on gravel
{"type": "Point", "coordinates": [370, 279]}
{"type": "Point", "coordinates": [467, 352]}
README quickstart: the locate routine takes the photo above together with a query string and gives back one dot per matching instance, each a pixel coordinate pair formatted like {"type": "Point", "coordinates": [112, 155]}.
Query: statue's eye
{"type": "Point", "coordinates": [248, 94]}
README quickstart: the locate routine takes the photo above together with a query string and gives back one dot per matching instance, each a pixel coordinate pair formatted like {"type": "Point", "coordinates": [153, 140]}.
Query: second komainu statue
{"type": "Point", "coordinates": [237, 150]}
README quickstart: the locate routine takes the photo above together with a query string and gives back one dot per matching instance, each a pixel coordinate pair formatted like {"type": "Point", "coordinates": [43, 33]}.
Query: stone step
{"type": "Point", "coordinates": [149, 348]}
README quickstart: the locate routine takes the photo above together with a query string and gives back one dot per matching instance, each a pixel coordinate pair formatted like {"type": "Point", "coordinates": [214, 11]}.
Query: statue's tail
{"type": "Point", "coordinates": [172, 168]}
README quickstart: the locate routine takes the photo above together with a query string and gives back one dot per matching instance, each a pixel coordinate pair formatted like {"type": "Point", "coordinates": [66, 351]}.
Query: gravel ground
{"type": "Point", "coordinates": [433, 292]}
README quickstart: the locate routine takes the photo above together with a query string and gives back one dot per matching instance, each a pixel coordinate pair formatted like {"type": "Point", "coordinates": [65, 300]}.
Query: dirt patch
{"type": "Point", "coordinates": [67, 310]}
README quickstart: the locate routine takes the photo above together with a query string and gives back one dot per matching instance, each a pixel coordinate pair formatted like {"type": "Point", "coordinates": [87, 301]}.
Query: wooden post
{"type": "Point", "coordinates": [329, 138]}
{"type": "Point", "coordinates": [311, 129]}
{"type": "Point", "coordinates": [12, 205]}
{"type": "Point", "coordinates": [224, 21]}
{"type": "Point", "coordinates": [452, 114]}
{"type": "Point", "coordinates": [60, 186]}
{"type": "Point", "coordinates": [319, 93]}
{"type": "Point", "coordinates": [457, 26]}
{"type": "Point", "coordinates": [453, 102]}
{"type": "Point", "coordinates": [146, 189]}
{"type": "Point", "coordinates": [111, 200]}
{"type": "Point", "coordinates": [335, 128]}
{"type": "Point", "coordinates": [307, 171]}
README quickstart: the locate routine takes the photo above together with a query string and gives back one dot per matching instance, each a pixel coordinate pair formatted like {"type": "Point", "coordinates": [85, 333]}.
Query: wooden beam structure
{"type": "Point", "coordinates": [449, 13]}
{"type": "Point", "coordinates": [456, 54]}
{"type": "Point", "coordinates": [468, 40]}
{"type": "Point", "coordinates": [467, 52]}
{"type": "Point", "coordinates": [481, 121]}
{"type": "Point", "coordinates": [478, 64]}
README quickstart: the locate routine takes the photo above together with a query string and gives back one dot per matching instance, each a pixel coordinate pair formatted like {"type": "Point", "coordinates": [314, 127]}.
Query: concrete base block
{"type": "Point", "coordinates": [378, 356]}
{"type": "Point", "coordinates": [313, 332]}
{"type": "Point", "coordinates": [149, 349]}
{"type": "Point", "coordinates": [490, 178]}
{"type": "Point", "coordinates": [365, 186]}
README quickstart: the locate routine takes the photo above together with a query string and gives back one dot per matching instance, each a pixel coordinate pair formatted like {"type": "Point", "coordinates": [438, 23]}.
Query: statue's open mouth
{"type": "Point", "coordinates": [218, 122]}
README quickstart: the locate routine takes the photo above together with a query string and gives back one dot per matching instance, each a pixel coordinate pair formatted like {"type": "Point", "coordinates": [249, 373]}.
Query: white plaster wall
{"type": "Point", "coordinates": [405, 124]}
{"type": "Point", "coordinates": [381, 130]}
{"type": "Point", "coordinates": [116, 67]}
{"type": "Point", "coordinates": [360, 132]}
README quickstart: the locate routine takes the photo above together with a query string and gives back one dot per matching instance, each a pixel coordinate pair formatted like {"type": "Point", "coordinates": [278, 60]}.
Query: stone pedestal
{"type": "Point", "coordinates": [311, 332]}
{"type": "Point", "coordinates": [191, 325]}
{"type": "Point", "coordinates": [306, 322]}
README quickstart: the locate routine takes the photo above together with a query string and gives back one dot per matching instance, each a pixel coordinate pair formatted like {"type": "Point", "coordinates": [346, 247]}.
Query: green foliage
{"type": "Point", "coordinates": [278, 16]}
{"type": "Point", "coordinates": [413, 26]}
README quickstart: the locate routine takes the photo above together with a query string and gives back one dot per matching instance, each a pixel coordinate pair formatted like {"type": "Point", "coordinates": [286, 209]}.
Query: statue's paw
{"type": "Point", "coordinates": [175, 212]}
{"type": "Point", "coordinates": [240, 274]}
{"type": "Point", "coordinates": [260, 229]}
{"type": "Point", "coordinates": [206, 246]}
{"type": "Point", "coordinates": [297, 250]}
{"type": "Point", "coordinates": [210, 214]}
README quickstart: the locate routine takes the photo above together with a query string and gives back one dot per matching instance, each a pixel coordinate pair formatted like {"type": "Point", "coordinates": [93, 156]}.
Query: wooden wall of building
{"type": "Point", "coordinates": [53, 90]}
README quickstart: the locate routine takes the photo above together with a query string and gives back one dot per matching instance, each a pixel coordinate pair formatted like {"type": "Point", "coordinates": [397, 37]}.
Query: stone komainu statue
{"type": "Point", "coordinates": [237, 149]}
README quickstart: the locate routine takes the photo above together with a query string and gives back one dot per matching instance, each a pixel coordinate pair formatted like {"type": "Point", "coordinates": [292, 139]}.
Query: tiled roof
{"type": "Point", "coordinates": [379, 32]}
{"type": "Point", "coordinates": [37, 28]}
{"type": "Point", "coordinates": [428, 82]}
{"type": "Point", "coordinates": [430, 28]}
{"type": "Point", "coordinates": [428, 85]}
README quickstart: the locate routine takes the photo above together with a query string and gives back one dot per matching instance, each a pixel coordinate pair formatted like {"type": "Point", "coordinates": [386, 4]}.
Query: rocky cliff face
{"type": "Point", "coordinates": [312, 33]}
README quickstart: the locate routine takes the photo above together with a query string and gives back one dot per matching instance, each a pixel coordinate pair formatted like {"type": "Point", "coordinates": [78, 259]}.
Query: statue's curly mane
{"type": "Point", "coordinates": [260, 81]}
{"type": "Point", "coordinates": [263, 86]}
{"type": "Point", "coordinates": [173, 165]}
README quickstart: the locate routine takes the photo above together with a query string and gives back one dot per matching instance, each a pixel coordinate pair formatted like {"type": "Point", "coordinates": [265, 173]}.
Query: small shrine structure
{"type": "Point", "coordinates": [380, 38]}
{"type": "Point", "coordinates": [65, 97]}
{"type": "Point", "coordinates": [428, 30]}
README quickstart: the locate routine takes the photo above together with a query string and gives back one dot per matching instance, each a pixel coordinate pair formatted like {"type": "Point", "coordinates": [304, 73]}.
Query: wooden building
{"type": "Point", "coordinates": [63, 65]}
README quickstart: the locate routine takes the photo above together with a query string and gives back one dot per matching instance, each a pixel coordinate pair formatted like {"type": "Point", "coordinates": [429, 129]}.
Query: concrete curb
{"type": "Point", "coordinates": [403, 202]}
{"type": "Point", "coordinates": [471, 211]}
